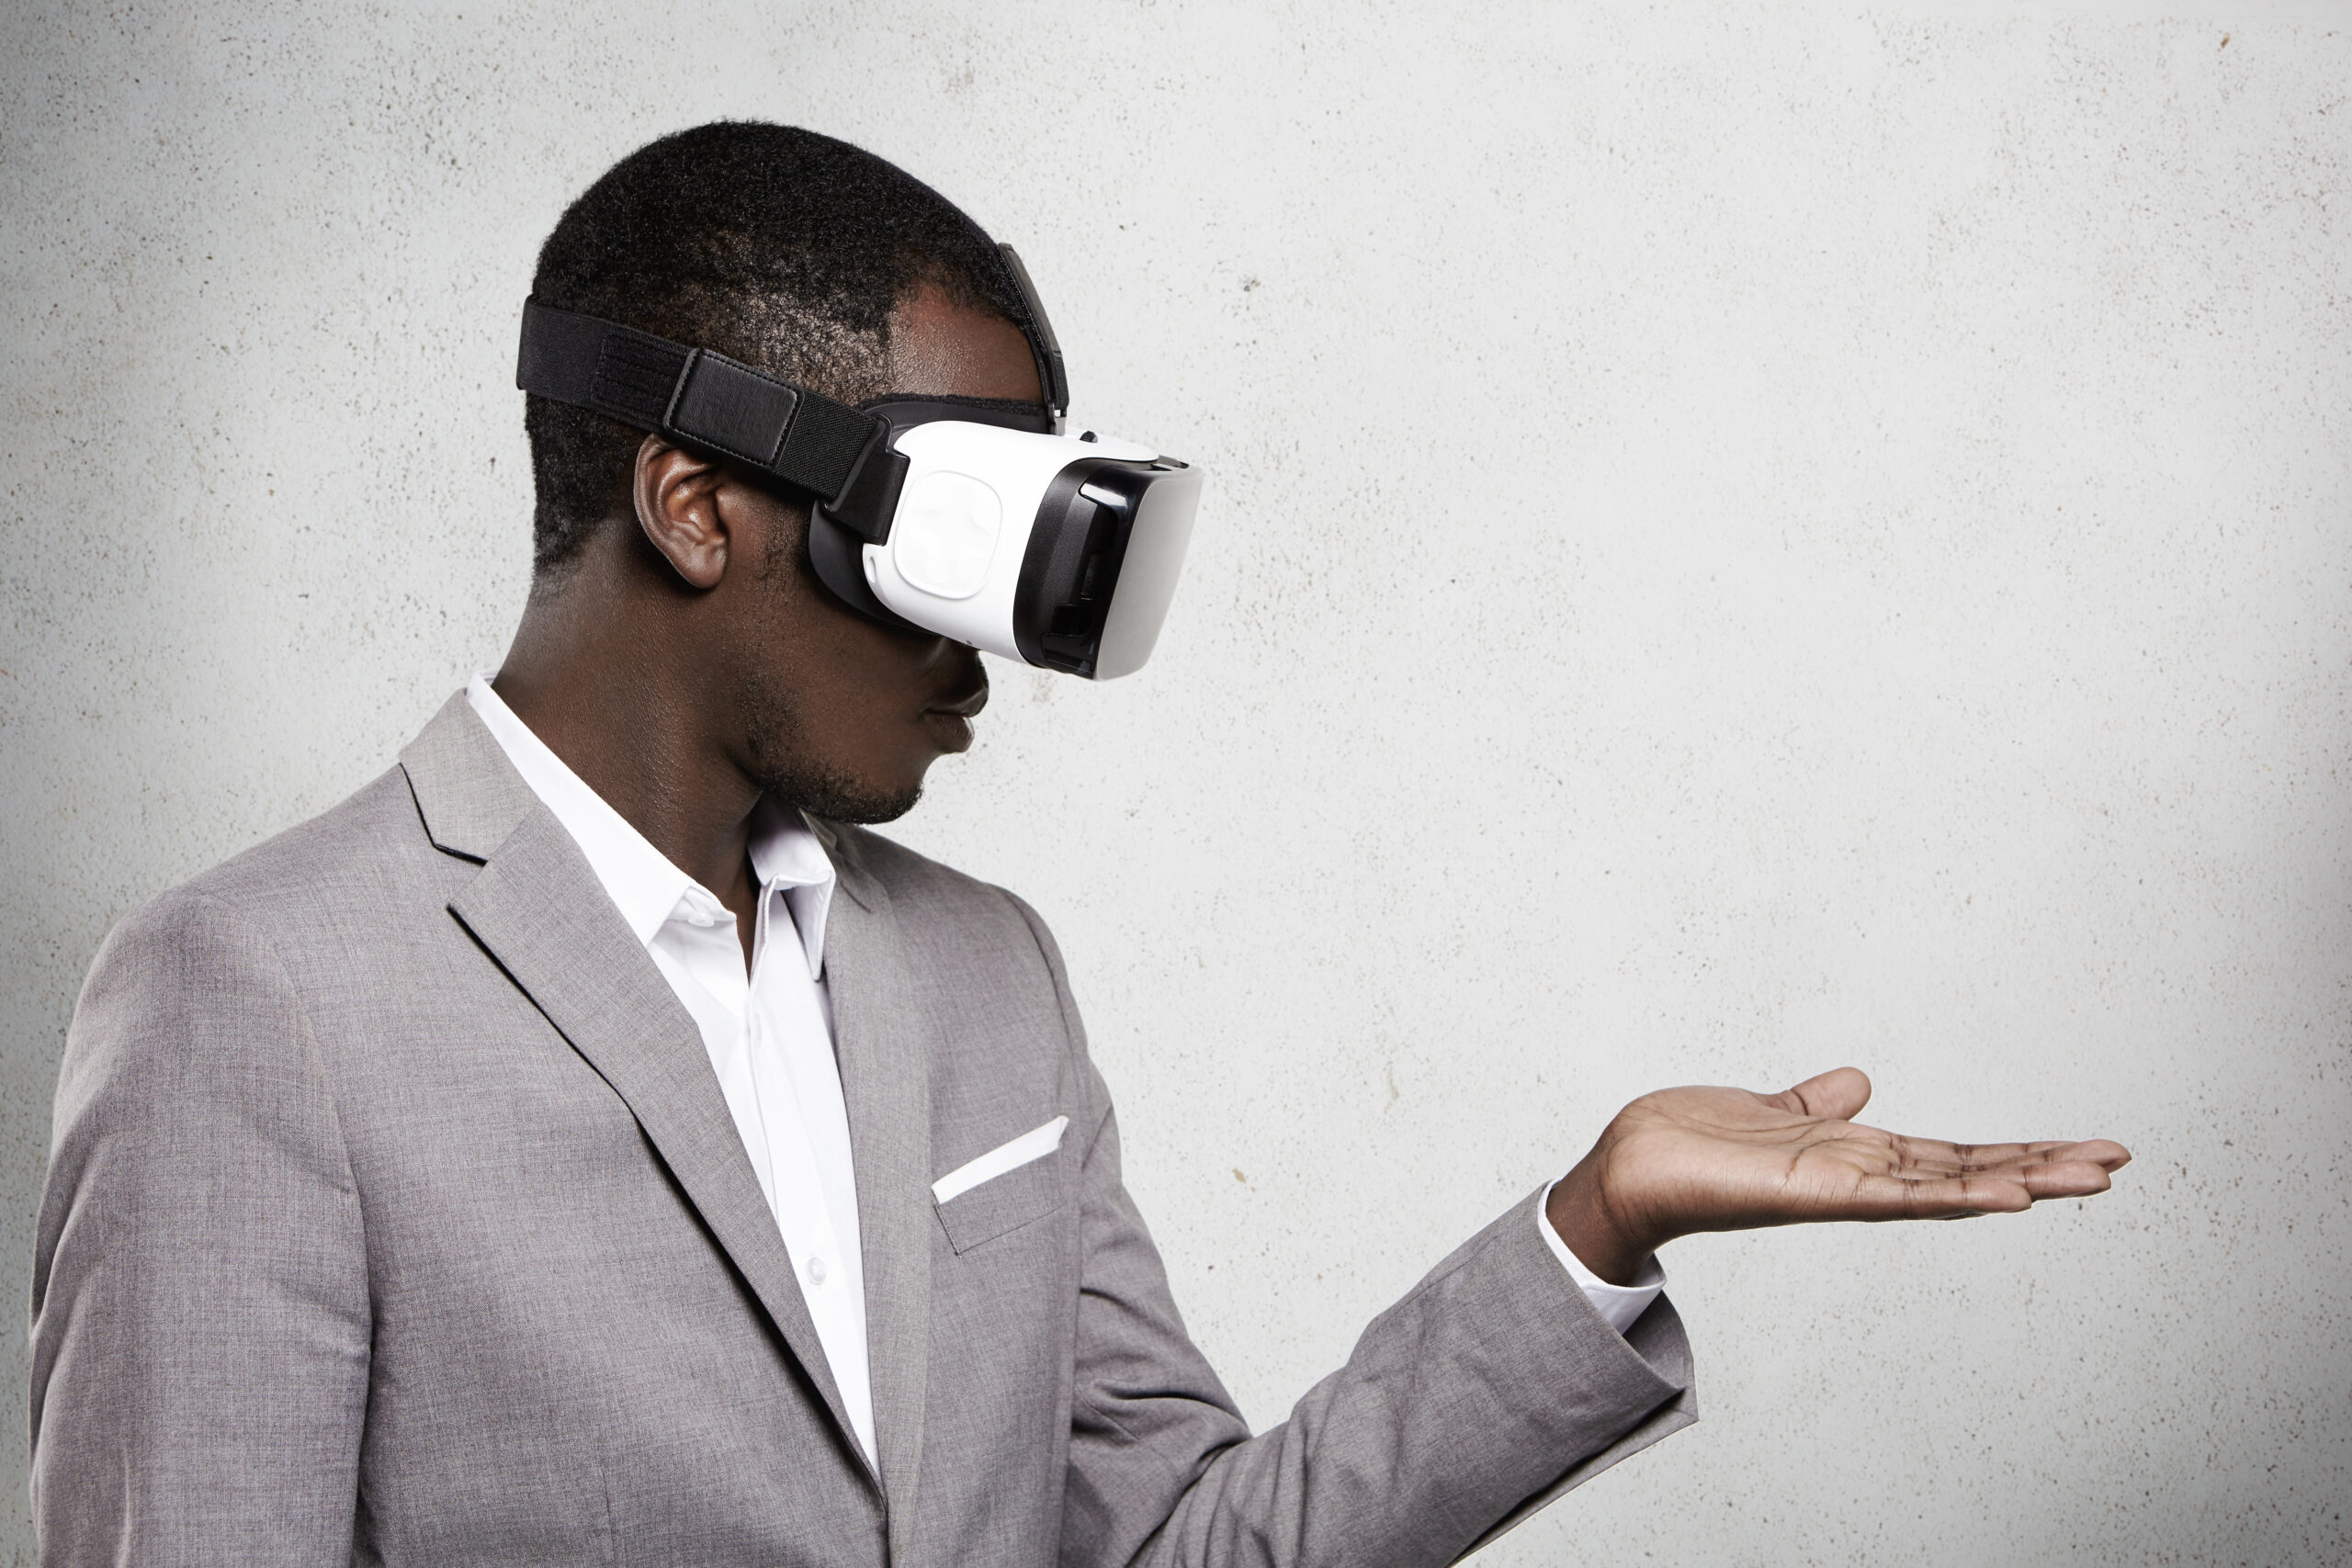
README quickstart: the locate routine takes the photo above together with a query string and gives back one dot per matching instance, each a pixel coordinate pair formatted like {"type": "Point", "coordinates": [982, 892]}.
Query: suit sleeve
{"type": "Point", "coordinates": [200, 1303]}
{"type": "Point", "coordinates": [1490, 1389]}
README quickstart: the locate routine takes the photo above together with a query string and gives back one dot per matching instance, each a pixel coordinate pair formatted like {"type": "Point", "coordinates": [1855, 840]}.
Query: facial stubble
{"type": "Point", "coordinates": [782, 758]}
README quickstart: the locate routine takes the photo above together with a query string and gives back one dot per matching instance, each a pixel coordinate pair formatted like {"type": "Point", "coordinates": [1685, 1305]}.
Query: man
{"type": "Point", "coordinates": [587, 1144]}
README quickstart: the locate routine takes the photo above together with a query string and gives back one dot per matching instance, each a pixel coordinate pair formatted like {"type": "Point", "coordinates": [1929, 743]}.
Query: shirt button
{"type": "Point", "coordinates": [816, 1271]}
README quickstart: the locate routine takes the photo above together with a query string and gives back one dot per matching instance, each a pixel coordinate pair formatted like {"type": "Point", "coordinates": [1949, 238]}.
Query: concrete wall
{"type": "Point", "coordinates": [1741, 540]}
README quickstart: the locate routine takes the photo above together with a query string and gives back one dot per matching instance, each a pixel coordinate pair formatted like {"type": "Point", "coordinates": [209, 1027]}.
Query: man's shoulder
{"type": "Point", "coordinates": [368, 853]}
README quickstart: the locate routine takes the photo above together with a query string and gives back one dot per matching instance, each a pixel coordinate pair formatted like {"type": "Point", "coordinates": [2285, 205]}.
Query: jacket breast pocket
{"type": "Point", "coordinates": [1002, 1204]}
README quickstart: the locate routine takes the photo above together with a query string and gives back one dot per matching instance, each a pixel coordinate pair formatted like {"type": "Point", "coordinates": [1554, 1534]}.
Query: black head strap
{"type": "Point", "coordinates": [701, 398]}
{"type": "Point", "coordinates": [1043, 346]}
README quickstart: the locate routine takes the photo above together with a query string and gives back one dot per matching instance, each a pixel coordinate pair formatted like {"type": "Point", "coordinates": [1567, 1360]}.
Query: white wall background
{"type": "Point", "coordinates": [1741, 540]}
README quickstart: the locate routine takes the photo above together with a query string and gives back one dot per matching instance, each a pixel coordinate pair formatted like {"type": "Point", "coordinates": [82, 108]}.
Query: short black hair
{"type": "Point", "coordinates": [773, 246]}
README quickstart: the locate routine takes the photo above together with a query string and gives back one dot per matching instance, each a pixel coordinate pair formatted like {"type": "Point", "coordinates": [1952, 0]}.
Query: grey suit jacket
{"type": "Point", "coordinates": [394, 1215]}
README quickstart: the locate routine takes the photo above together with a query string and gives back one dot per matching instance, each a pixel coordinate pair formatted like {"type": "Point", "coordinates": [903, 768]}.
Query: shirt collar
{"type": "Point", "coordinates": [641, 881]}
{"type": "Point", "coordinates": [787, 858]}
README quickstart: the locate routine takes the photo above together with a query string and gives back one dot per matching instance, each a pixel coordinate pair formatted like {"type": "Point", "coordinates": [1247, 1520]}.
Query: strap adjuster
{"type": "Point", "coordinates": [707, 400]}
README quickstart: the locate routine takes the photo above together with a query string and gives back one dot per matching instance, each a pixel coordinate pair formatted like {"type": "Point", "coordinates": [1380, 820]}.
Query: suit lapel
{"type": "Point", "coordinates": [882, 1041]}
{"type": "Point", "coordinates": [541, 913]}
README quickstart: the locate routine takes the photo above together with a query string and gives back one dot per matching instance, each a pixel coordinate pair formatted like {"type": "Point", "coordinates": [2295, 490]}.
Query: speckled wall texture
{"type": "Point", "coordinates": [1740, 540]}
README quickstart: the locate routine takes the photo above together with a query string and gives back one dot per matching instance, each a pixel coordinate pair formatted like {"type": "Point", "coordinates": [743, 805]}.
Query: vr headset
{"type": "Point", "coordinates": [971, 518]}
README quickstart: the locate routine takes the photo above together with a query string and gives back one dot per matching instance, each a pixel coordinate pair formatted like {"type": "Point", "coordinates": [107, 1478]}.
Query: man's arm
{"type": "Point", "coordinates": [200, 1306]}
{"type": "Point", "coordinates": [1494, 1385]}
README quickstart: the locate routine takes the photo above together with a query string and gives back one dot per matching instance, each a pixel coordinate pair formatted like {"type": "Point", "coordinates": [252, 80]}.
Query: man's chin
{"type": "Point", "coordinates": [842, 798]}
{"type": "Point", "coordinates": [880, 789]}
{"type": "Point", "coordinates": [866, 810]}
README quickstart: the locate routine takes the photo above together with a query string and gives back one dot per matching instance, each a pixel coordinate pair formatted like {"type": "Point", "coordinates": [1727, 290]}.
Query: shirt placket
{"type": "Point", "coordinates": [830, 1278]}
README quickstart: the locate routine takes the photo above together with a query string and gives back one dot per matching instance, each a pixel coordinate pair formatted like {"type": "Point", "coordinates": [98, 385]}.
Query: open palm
{"type": "Point", "coordinates": [1706, 1158]}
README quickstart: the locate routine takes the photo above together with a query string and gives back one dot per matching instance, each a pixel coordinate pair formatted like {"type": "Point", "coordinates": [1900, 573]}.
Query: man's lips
{"type": "Point", "coordinates": [966, 706]}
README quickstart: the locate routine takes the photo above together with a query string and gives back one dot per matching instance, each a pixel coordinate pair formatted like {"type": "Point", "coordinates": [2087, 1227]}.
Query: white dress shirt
{"type": "Point", "coordinates": [769, 1035]}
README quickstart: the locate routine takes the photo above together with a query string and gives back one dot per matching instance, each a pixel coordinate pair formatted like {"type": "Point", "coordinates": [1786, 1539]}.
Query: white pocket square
{"type": "Point", "coordinates": [1022, 1150]}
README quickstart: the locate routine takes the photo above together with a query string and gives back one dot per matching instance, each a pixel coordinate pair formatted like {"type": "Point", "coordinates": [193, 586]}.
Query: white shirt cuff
{"type": "Point", "coordinates": [1618, 1306]}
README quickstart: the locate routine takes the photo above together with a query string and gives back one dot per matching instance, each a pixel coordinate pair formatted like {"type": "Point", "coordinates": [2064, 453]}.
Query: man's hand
{"type": "Point", "coordinates": [1724, 1160]}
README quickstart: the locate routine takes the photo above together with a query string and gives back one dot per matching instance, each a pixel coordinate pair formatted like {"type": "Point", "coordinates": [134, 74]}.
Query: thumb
{"type": "Point", "coordinates": [1837, 1095]}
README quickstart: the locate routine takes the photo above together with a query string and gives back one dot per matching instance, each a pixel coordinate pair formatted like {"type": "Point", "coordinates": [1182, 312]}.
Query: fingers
{"type": "Point", "coordinates": [1837, 1095]}
{"type": "Point", "coordinates": [1956, 1197]}
{"type": "Point", "coordinates": [2066, 1179]}
{"type": "Point", "coordinates": [2105, 1153]}
{"type": "Point", "coordinates": [1941, 1197]}
{"type": "Point", "coordinates": [1931, 1157]}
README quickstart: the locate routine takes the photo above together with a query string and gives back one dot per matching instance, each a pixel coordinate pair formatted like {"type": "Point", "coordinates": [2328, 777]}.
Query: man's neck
{"type": "Point", "coordinates": [638, 735]}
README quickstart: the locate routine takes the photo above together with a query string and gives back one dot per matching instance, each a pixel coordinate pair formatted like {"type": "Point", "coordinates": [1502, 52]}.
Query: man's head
{"type": "Point", "coordinates": [820, 264]}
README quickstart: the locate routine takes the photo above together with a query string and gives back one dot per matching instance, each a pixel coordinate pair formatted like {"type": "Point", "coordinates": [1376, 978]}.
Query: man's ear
{"type": "Point", "coordinates": [677, 506]}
